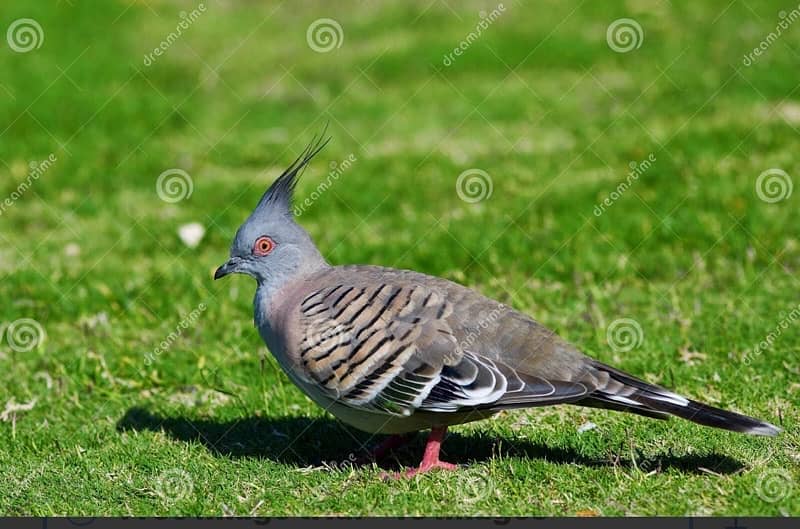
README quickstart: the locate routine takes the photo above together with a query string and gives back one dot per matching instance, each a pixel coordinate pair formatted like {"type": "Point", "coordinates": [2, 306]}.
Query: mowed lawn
{"type": "Point", "coordinates": [612, 189]}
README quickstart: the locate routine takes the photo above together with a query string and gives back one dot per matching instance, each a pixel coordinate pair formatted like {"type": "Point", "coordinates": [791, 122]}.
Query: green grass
{"type": "Point", "coordinates": [211, 426]}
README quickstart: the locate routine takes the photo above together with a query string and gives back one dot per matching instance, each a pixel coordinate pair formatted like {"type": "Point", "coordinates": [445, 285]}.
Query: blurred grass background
{"type": "Point", "coordinates": [539, 101]}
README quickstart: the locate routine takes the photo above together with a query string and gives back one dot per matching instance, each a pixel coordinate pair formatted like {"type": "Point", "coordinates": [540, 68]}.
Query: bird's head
{"type": "Point", "coordinates": [270, 245]}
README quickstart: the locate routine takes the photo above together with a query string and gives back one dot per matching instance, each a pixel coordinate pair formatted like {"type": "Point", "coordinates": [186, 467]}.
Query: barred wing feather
{"type": "Point", "coordinates": [389, 348]}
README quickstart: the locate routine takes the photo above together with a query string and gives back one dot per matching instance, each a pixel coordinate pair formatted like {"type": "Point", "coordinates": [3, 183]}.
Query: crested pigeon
{"type": "Point", "coordinates": [395, 351]}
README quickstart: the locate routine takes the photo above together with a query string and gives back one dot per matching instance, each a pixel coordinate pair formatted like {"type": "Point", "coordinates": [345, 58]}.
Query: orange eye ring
{"type": "Point", "coordinates": [263, 246]}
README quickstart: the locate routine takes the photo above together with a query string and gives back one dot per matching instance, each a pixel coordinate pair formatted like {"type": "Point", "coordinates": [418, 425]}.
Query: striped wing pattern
{"type": "Point", "coordinates": [390, 348]}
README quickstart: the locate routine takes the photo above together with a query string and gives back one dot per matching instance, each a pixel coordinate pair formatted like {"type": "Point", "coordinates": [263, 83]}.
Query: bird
{"type": "Point", "coordinates": [391, 351]}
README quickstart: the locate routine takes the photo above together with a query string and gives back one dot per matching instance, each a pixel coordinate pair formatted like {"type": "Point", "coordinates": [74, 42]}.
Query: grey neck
{"type": "Point", "coordinates": [269, 285]}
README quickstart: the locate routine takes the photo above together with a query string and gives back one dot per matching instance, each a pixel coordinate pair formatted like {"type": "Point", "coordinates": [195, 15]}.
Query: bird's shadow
{"type": "Point", "coordinates": [303, 442]}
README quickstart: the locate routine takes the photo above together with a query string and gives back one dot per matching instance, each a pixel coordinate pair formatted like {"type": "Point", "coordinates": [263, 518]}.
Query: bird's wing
{"type": "Point", "coordinates": [388, 346]}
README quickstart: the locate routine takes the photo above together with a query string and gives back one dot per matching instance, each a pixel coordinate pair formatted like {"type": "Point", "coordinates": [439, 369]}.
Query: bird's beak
{"type": "Point", "coordinates": [230, 267]}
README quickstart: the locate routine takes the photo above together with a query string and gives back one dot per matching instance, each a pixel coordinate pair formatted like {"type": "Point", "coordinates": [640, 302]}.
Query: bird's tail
{"type": "Point", "coordinates": [626, 393]}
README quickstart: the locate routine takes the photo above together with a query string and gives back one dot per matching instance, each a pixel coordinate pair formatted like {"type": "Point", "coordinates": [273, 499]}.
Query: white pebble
{"type": "Point", "coordinates": [585, 427]}
{"type": "Point", "coordinates": [191, 234]}
{"type": "Point", "coordinates": [72, 250]}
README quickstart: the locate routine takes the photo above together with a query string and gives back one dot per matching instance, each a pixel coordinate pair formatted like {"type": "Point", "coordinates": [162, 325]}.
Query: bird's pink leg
{"type": "Point", "coordinates": [430, 460]}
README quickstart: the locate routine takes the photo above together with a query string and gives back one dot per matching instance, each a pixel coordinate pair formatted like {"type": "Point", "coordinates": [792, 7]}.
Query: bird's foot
{"type": "Point", "coordinates": [430, 461]}
{"type": "Point", "coordinates": [422, 469]}
{"type": "Point", "coordinates": [428, 466]}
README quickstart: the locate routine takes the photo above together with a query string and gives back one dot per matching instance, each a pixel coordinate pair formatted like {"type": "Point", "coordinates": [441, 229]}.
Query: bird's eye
{"type": "Point", "coordinates": [263, 246]}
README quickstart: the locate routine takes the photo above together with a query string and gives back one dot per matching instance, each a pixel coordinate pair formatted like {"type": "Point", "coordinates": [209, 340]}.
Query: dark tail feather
{"type": "Point", "coordinates": [626, 393]}
{"type": "Point", "coordinates": [597, 402]}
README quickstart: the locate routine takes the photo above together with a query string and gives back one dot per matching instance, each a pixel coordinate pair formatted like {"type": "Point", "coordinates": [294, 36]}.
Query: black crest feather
{"type": "Point", "coordinates": [280, 192]}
